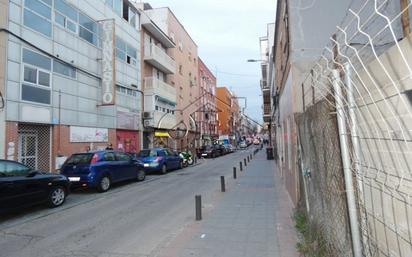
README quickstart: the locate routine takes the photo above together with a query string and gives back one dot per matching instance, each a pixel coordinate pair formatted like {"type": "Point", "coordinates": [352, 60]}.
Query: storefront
{"type": "Point", "coordinates": [127, 141]}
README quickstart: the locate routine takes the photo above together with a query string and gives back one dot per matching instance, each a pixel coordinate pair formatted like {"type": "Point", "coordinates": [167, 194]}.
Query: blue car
{"type": "Point", "coordinates": [101, 169]}
{"type": "Point", "coordinates": [159, 159]}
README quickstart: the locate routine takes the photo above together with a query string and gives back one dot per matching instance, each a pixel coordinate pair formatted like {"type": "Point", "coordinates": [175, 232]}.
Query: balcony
{"type": "Point", "coordinates": [154, 86]}
{"type": "Point", "coordinates": [264, 85]}
{"type": "Point", "coordinates": [158, 58]}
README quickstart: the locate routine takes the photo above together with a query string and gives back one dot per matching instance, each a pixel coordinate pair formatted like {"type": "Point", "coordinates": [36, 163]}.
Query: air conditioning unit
{"type": "Point", "coordinates": [147, 115]}
{"type": "Point", "coordinates": [147, 123]}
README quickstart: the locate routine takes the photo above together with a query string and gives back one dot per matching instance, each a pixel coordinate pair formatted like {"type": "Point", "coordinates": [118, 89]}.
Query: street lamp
{"type": "Point", "coordinates": [255, 60]}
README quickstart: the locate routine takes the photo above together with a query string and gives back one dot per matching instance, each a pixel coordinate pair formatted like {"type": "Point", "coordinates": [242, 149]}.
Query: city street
{"type": "Point", "coordinates": [132, 219]}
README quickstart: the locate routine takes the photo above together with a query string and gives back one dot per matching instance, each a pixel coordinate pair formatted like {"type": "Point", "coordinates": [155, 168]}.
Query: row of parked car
{"type": "Point", "coordinates": [213, 151]}
{"type": "Point", "coordinates": [21, 186]}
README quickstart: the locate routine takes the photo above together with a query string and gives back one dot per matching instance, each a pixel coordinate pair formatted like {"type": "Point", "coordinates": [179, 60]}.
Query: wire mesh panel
{"type": "Point", "coordinates": [34, 146]}
{"type": "Point", "coordinates": [371, 51]}
{"type": "Point", "coordinates": [326, 192]}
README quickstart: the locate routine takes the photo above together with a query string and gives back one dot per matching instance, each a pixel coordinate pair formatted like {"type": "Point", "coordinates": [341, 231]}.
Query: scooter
{"type": "Point", "coordinates": [187, 158]}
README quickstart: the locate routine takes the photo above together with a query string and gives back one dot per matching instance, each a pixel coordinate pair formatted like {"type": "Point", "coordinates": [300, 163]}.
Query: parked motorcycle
{"type": "Point", "coordinates": [187, 158]}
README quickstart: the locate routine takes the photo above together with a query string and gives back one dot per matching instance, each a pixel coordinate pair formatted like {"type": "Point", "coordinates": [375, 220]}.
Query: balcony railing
{"type": "Point", "coordinates": [157, 57]}
{"type": "Point", "coordinates": [160, 88]}
{"type": "Point", "coordinates": [264, 85]}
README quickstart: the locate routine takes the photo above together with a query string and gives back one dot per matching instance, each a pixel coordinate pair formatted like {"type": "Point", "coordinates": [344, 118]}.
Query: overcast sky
{"type": "Point", "coordinates": [227, 33]}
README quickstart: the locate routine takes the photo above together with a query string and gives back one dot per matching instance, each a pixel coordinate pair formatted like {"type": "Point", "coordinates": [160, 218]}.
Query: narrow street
{"type": "Point", "coordinates": [133, 219]}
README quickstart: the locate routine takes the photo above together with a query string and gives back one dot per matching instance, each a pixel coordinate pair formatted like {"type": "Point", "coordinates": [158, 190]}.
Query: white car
{"type": "Point", "coordinates": [243, 144]}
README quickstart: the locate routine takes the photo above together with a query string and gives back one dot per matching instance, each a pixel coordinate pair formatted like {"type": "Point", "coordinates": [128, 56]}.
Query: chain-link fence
{"type": "Point", "coordinates": [369, 59]}
{"type": "Point", "coordinates": [325, 188]}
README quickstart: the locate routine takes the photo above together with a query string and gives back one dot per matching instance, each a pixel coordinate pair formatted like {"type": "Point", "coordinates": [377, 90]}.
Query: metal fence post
{"type": "Point", "coordinates": [344, 147]}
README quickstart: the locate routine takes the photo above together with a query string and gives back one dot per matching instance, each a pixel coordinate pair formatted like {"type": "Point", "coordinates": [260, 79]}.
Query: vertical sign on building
{"type": "Point", "coordinates": [108, 62]}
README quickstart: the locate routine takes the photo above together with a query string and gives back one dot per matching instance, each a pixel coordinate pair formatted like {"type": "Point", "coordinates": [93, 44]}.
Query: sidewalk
{"type": "Point", "coordinates": [252, 219]}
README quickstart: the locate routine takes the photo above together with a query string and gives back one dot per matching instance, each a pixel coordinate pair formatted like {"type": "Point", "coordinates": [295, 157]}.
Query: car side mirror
{"type": "Point", "coordinates": [32, 174]}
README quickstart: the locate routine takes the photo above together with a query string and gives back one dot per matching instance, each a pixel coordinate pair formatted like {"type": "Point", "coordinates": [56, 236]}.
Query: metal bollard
{"type": "Point", "coordinates": [244, 160]}
{"type": "Point", "coordinates": [240, 166]}
{"type": "Point", "coordinates": [248, 159]}
{"type": "Point", "coordinates": [222, 184]}
{"type": "Point", "coordinates": [234, 172]}
{"type": "Point", "coordinates": [198, 206]}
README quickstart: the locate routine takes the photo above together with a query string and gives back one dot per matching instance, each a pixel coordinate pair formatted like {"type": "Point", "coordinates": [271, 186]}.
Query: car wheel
{"type": "Point", "coordinates": [57, 196]}
{"type": "Point", "coordinates": [104, 184]}
{"type": "Point", "coordinates": [181, 165]}
{"type": "Point", "coordinates": [164, 169]}
{"type": "Point", "coordinates": [190, 161]}
{"type": "Point", "coordinates": [141, 175]}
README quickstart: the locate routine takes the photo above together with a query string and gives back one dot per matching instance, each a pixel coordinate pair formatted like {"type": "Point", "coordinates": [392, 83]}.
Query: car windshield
{"type": "Point", "coordinates": [147, 153]}
{"type": "Point", "coordinates": [83, 158]}
{"type": "Point", "coordinates": [206, 147]}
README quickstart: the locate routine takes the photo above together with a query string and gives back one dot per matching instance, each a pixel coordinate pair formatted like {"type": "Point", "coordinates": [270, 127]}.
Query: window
{"type": "Point", "coordinates": [12, 169]}
{"type": "Point", "coordinates": [64, 69]}
{"type": "Point", "coordinates": [125, 52]}
{"type": "Point", "coordinates": [127, 91]}
{"type": "Point", "coordinates": [34, 94]}
{"type": "Point", "coordinates": [132, 17]}
{"type": "Point", "coordinates": [36, 59]}
{"type": "Point", "coordinates": [37, 22]}
{"type": "Point", "coordinates": [117, 7]}
{"type": "Point", "coordinates": [88, 29]}
{"type": "Point", "coordinates": [161, 153]}
{"type": "Point", "coordinates": [44, 78]}
{"type": "Point", "coordinates": [36, 78]}
{"type": "Point", "coordinates": [39, 8]}
{"type": "Point", "coordinates": [65, 15]}
{"type": "Point", "coordinates": [122, 157]}
{"type": "Point", "coordinates": [109, 157]}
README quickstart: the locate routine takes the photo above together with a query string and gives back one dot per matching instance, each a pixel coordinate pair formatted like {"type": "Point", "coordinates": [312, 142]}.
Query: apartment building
{"type": "Point", "coordinates": [236, 118]}
{"type": "Point", "coordinates": [185, 80]}
{"type": "Point", "coordinates": [70, 78]}
{"type": "Point", "coordinates": [159, 114]}
{"type": "Point", "coordinates": [206, 117]}
{"type": "Point", "coordinates": [228, 114]}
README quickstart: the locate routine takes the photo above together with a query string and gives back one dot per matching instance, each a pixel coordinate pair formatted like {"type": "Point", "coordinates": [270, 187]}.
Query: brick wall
{"type": "Point", "coordinates": [11, 137]}
{"type": "Point", "coordinates": [67, 148]}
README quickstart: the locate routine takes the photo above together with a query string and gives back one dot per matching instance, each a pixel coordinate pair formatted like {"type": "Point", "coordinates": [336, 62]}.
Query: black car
{"type": "Point", "coordinates": [21, 186]}
{"type": "Point", "coordinates": [212, 151]}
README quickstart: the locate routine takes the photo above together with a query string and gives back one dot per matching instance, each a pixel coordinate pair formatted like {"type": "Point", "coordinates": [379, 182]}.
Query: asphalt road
{"type": "Point", "coordinates": [132, 219]}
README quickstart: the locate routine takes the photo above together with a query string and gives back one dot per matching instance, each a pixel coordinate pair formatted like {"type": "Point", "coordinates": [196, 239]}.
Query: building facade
{"type": "Point", "coordinates": [206, 117]}
{"type": "Point", "coordinates": [71, 79]}
{"type": "Point", "coordinates": [228, 114]}
{"type": "Point", "coordinates": [159, 114]}
{"type": "Point", "coordinates": [185, 80]}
